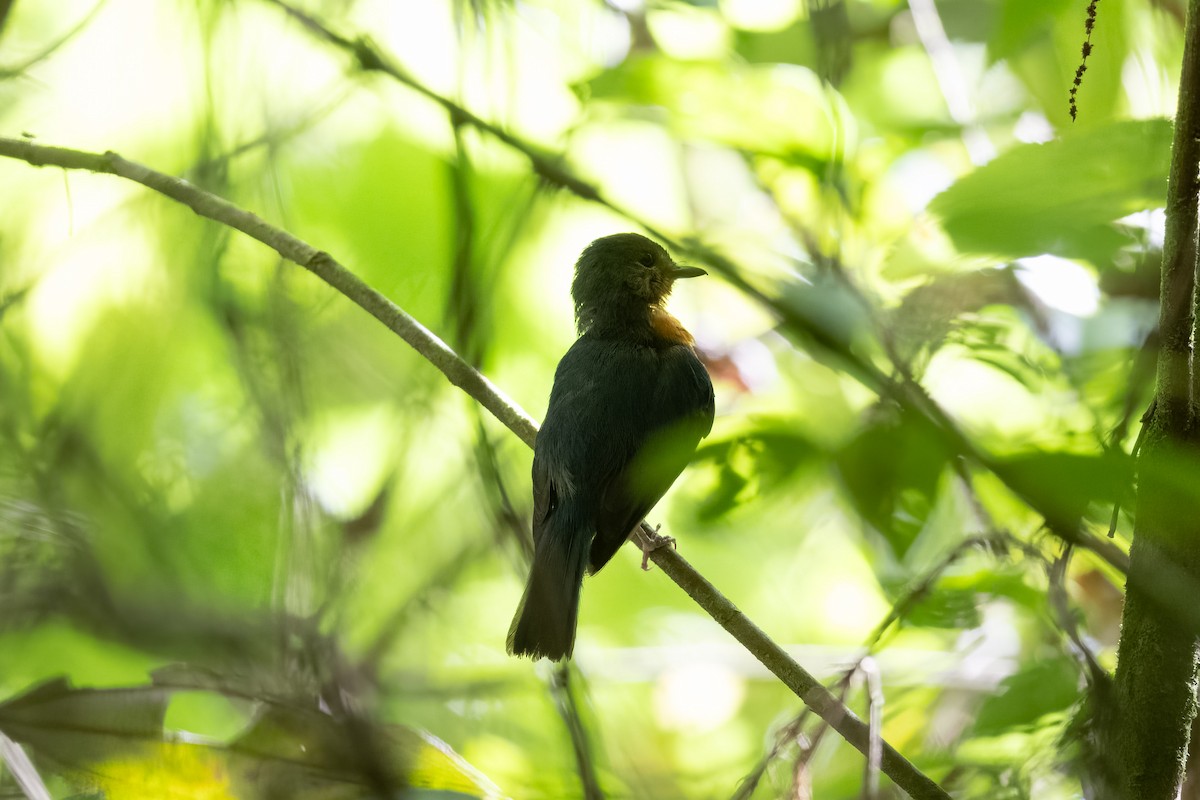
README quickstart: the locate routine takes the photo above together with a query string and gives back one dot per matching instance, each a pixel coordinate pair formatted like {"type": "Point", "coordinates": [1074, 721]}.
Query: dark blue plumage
{"type": "Point", "coordinates": [630, 403]}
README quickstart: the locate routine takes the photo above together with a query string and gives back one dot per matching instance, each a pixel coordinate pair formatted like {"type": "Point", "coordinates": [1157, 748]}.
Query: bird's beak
{"type": "Point", "coordinates": [678, 271]}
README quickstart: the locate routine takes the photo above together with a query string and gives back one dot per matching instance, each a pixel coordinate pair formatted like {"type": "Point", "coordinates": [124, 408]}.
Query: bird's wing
{"type": "Point", "coordinates": [622, 423]}
{"type": "Point", "coordinates": [544, 497]}
{"type": "Point", "coordinates": [676, 412]}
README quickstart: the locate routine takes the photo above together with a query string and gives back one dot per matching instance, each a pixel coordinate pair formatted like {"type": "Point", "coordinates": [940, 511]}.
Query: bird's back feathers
{"type": "Point", "coordinates": [622, 424]}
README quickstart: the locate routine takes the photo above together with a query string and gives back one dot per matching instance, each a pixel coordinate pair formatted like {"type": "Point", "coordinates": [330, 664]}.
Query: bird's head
{"type": "Point", "coordinates": [623, 273]}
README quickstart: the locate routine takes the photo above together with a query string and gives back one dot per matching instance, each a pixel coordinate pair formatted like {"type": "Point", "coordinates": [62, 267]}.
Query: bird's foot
{"type": "Point", "coordinates": [652, 542]}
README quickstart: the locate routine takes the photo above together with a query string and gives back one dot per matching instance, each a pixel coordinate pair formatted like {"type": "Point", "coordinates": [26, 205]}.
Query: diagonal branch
{"type": "Point", "coordinates": [461, 374]}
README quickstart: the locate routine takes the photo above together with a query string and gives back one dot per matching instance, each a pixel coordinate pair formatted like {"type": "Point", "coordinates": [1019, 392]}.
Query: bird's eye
{"type": "Point", "coordinates": [646, 260]}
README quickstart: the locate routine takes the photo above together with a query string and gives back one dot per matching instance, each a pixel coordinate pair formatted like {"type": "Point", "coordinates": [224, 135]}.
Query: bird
{"type": "Point", "coordinates": [630, 402]}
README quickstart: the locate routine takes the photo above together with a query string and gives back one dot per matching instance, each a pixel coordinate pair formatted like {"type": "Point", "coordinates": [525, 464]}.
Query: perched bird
{"type": "Point", "coordinates": [629, 405]}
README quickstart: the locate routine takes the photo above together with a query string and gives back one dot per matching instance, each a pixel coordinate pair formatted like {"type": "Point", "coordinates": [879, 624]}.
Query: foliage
{"type": "Point", "coordinates": [252, 545]}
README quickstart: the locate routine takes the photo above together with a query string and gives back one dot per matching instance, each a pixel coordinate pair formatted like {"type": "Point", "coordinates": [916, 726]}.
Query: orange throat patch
{"type": "Point", "coordinates": [668, 328]}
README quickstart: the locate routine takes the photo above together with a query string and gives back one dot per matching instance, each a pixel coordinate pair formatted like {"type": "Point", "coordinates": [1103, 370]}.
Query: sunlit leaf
{"type": "Point", "coordinates": [1060, 197]}
{"type": "Point", "coordinates": [780, 110]}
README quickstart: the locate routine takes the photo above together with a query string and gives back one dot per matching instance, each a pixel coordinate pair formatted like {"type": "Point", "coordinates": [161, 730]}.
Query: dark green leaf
{"type": "Point", "coordinates": [1065, 485]}
{"type": "Point", "coordinates": [1041, 688]}
{"type": "Point", "coordinates": [890, 471]}
{"type": "Point", "coordinates": [752, 462]}
{"type": "Point", "coordinates": [81, 726]}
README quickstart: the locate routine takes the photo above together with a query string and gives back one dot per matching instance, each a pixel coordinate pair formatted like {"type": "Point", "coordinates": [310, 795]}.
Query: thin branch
{"type": "Point", "coordinates": [458, 372]}
{"type": "Point", "coordinates": [992, 539]}
{"type": "Point", "coordinates": [561, 685]}
{"type": "Point", "coordinates": [13, 756]}
{"type": "Point", "coordinates": [874, 682]}
{"type": "Point", "coordinates": [1060, 609]}
{"type": "Point", "coordinates": [372, 59]}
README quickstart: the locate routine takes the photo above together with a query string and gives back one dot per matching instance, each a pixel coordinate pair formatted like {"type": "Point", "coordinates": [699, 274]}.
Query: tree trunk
{"type": "Point", "coordinates": [1144, 736]}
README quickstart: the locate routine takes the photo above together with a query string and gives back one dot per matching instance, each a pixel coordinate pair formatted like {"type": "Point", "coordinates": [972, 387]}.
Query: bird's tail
{"type": "Point", "coordinates": [544, 625]}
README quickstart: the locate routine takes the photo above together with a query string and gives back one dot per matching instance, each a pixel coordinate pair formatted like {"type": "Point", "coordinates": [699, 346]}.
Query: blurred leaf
{"type": "Point", "coordinates": [779, 110]}
{"type": "Point", "coordinates": [290, 751]}
{"type": "Point", "coordinates": [1067, 484]}
{"type": "Point", "coordinates": [791, 45]}
{"type": "Point", "coordinates": [1010, 583]}
{"type": "Point", "coordinates": [829, 322]}
{"type": "Point", "coordinates": [1041, 688]}
{"type": "Point", "coordinates": [1021, 21]}
{"type": "Point", "coordinates": [890, 471]}
{"type": "Point", "coordinates": [166, 769]}
{"type": "Point", "coordinates": [333, 752]}
{"type": "Point", "coordinates": [1060, 197]}
{"type": "Point", "coordinates": [945, 608]}
{"type": "Point", "coordinates": [751, 463]}
{"type": "Point", "coordinates": [832, 33]}
{"type": "Point", "coordinates": [926, 314]}
{"type": "Point", "coordinates": [81, 726]}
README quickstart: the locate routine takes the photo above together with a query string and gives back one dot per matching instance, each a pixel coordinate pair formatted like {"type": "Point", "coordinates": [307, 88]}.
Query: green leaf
{"type": "Point", "coordinates": [81, 726]}
{"type": "Point", "coordinates": [1042, 688]}
{"type": "Point", "coordinates": [742, 105]}
{"type": "Point", "coordinates": [926, 315]}
{"type": "Point", "coordinates": [334, 752]}
{"type": "Point", "coordinates": [1021, 21]}
{"type": "Point", "coordinates": [1065, 485]}
{"type": "Point", "coordinates": [1060, 197]}
{"type": "Point", "coordinates": [945, 608]}
{"type": "Point", "coordinates": [751, 463]}
{"type": "Point", "coordinates": [890, 471]}
{"type": "Point", "coordinates": [290, 751]}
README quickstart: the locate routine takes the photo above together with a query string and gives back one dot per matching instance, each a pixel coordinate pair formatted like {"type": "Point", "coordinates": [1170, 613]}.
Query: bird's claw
{"type": "Point", "coordinates": [652, 542]}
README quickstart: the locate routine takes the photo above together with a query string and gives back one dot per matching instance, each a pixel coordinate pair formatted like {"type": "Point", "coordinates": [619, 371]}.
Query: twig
{"type": "Point", "coordinates": [870, 673]}
{"type": "Point", "coordinates": [458, 372]}
{"type": "Point", "coordinates": [568, 708]}
{"type": "Point", "coordinates": [13, 756]}
{"type": "Point", "coordinates": [801, 780]}
{"type": "Point", "coordinates": [1085, 51]}
{"type": "Point", "coordinates": [1056, 573]}
{"type": "Point", "coordinates": [915, 592]}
